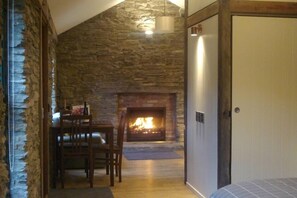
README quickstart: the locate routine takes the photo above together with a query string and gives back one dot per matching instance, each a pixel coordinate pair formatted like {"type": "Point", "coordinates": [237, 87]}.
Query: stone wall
{"type": "Point", "coordinates": [32, 111]}
{"type": "Point", "coordinates": [24, 99]}
{"type": "Point", "coordinates": [52, 81]}
{"type": "Point", "coordinates": [110, 54]}
{"type": "Point", "coordinates": [24, 103]}
{"type": "Point", "coordinates": [52, 70]}
{"type": "Point", "coordinates": [3, 165]}
{"type": "Point", "coordinates": [16, 102]}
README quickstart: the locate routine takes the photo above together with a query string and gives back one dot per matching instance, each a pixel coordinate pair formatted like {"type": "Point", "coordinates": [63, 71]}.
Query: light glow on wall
{"type": "Point", "coordinates": [200, 58]}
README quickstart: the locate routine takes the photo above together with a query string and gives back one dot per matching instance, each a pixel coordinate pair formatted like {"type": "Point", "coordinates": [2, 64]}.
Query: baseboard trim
{"type": "Point", "coordinates": [194, 190]}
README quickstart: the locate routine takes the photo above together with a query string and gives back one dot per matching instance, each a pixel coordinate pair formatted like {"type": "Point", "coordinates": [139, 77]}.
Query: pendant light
{"type": "Point", "coordinates": [164, 24]}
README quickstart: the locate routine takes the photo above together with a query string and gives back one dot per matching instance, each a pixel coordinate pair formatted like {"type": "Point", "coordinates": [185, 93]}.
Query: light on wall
{"type": "Point", "coordinates": [149, 32]}
{"type": "Point", "coordinates": [195, 30]}
{"type": "Point", "coordinates": [164, 24]}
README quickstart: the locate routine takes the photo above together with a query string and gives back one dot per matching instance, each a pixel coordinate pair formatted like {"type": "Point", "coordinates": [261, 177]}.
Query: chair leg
{"type": "Point", "coordinates": [116, 165]}
{"type": "Point", "coordinates": [120, 167]}
{"type": "Point", "coordinates": [62, 172]}
{"type": "Point", "coordinates": [91, 174]}
{"type": "Point", "coordinates": [107, 163]}
{"type": "Point", "coordinates": [86, 168]}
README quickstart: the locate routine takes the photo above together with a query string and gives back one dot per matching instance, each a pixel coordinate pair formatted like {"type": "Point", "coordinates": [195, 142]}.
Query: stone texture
{"type": "Point", "coordinates": [3, 165]}
{"type": "Point", "coordinates": [110, 54]}
{"type": "Point", "coordinates": [32, 112]}
{"type": "Point", "coordinates": [16, 107]}
{"type": "Point", "coordinates": [52, 83]}
{"type": "Point", "coordinates": [52, 69]}
{"type": "Point", "coordinates": [25, 168]}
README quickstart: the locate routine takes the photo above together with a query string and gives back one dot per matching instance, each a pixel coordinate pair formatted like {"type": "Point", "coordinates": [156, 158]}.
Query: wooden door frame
{"type": "Point", "coordinates": [226, 11]}
{"type": "Point", "coordinates": [185, 90]}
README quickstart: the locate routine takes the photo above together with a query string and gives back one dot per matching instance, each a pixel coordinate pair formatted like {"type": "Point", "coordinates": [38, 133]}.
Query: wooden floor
{"type": "Point", "coordinates": [140, 179]}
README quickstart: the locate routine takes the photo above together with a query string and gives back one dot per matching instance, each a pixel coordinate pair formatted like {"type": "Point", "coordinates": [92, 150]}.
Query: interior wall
{"type": "Point", "coordinates": [52, 70]}
{"type": "Point", "coordinates": [32, 99]}
{"type": "Point", "coordinates": [3, 164]}
{"type": "Point", "coordinates": [194, 5]}
{"type": "Point", "coordinates": [202, 96]}
{"type": "Point", "coordinates": [264, 88]}
{"type": "Point", "coordinates": [24, 101]}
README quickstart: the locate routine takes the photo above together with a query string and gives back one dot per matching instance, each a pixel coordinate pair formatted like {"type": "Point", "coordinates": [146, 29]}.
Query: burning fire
{"type": "Point", "coordinates": [143, 123]}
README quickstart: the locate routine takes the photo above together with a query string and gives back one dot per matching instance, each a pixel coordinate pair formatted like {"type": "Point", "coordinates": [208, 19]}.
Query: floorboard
{"type": "Point", "coordinates": [140, 179]}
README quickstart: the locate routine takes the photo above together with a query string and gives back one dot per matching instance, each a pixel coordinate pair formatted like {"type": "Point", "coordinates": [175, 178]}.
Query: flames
{"type": "Point", "coordinates": [146, 126]}
{"type": "Point", "coordinates": [143, 123]}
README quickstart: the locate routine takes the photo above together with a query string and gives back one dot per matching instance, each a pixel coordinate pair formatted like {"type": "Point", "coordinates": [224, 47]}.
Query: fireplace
{"type": "Point", "coordinates": [162, 104]}
{"type": "Point", "coordinates": [146, 123]}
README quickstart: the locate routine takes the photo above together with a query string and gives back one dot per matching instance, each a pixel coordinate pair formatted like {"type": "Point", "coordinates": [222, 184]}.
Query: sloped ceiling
{"type": "Point", "coordinates": [69, 13]}
{"type": "Point", "coordinates": [179, 3]}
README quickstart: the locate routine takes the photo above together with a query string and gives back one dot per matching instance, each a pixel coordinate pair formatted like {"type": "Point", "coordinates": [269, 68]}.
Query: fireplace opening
{"type": "Point", "coordinates": [146, 123]}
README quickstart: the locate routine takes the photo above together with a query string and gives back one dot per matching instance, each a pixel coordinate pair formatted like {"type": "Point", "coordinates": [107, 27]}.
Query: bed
{"type": "Point", "coordinates": [268, 188]}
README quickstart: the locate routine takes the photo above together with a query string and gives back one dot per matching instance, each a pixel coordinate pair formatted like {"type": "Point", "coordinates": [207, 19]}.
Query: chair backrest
{"type": "Point", "coordinates": [65, 112]}
{"type": "Point", "coordinates": [75, 133]}
{"type": "Point", "coordinates": [121, 130]}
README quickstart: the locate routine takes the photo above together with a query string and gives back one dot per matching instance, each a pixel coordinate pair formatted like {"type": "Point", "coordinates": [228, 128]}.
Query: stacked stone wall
{"type": "Point", "coordinates": [25, 65]}
{"type": "Point", "coordinates": [110, 54]}
{"type": "Point", "coordinates": [16, 101]}
{"type": "Point", "coordinates": [52, 70]}
{"type": "Point", "coordinates": [32, 66]}
{"type": "Point", "coordinates": [52, 83]}
{"type": "Point", "coordinates": [3, 164]}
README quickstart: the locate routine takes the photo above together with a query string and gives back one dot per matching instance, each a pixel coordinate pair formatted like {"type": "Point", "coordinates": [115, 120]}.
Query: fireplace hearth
{"type": "Point", "coordinates": [146, 124]}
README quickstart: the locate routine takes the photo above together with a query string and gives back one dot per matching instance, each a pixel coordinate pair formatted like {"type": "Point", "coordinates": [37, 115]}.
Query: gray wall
{"type": "Point", "coordinates": [110, 54]}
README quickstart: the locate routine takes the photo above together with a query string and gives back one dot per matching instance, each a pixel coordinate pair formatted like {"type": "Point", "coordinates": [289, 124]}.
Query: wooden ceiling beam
{"type": "Point", "coordinates": [264, 8]}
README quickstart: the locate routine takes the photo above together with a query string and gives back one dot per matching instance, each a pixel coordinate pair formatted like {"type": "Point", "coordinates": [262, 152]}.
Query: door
{"type": "Point", "coordinates": [264, 98]}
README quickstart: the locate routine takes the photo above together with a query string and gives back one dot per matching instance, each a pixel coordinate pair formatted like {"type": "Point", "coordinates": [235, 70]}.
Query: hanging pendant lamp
{"type": "Point", "coordinates": [164, 24]}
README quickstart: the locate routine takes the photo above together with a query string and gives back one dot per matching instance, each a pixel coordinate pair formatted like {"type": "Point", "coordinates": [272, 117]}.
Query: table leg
{"type": "Point", "coordinates": [54, 154]}
{"type": "Point", "coordinates": [111, 160]}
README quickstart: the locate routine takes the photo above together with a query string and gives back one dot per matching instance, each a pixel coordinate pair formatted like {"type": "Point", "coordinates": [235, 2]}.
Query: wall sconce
{"type": "Point", "coordinates": [195, 30]}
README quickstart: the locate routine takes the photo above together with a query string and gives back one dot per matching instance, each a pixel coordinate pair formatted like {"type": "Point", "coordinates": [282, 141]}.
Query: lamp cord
{"type": "Point", "coordinates": [164, 7]}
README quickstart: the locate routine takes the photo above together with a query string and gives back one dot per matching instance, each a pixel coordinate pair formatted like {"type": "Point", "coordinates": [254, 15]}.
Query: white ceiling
{"type": "Point", "coordinates": [69, 13]}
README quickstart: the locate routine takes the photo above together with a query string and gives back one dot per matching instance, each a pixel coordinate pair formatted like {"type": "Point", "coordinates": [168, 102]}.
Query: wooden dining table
{"type": "Point", "coordinates": [102, 127]}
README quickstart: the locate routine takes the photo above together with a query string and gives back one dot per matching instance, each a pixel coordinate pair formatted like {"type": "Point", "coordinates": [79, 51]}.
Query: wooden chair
{"type": "Point", "coordinates": [75, 140]}
{"type": "Point", "coordinates": [65, 112]}
{"type": "Point", "coordinates": [101, 152]}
